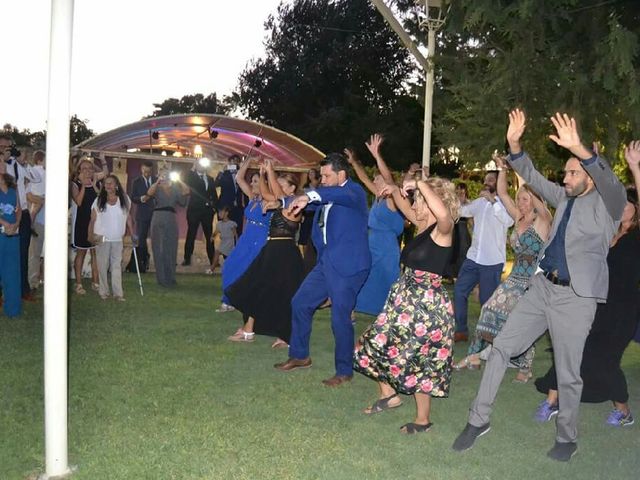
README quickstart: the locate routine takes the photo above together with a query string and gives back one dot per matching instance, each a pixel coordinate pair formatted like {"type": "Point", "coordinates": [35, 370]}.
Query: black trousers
{"type": "Point", "coordinates": [25, 240]}
{"type": "Point", "coordinates": [196, 218]}
{"type": "Point", "coordinates": [142, 250]}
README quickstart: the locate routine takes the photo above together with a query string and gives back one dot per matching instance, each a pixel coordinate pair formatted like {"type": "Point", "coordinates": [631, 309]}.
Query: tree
{"type": "Point", "coordinates": [197, 103]}
{"type": "Point", "coordinates": [334, 73]}
{"type": "Point", "coordinates": [79, 131]}
{"type": "Point", "coordinates": [558, 55]}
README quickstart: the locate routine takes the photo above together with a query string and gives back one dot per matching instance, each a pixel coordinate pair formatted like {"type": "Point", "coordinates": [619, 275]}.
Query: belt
{"type": "Point", "coordinates": [553, 278]}
{"type": "Point", "coordinates": [165, 209]}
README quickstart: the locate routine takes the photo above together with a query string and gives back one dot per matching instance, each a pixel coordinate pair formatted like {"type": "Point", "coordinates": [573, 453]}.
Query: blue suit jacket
{"type": "Point", "coordinates": [347, 247]}
{"type": "Point", "coordinates": [144, 211]}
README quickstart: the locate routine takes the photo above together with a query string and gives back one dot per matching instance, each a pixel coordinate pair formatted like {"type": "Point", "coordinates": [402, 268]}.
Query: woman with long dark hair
{"type": "Point", "coordinates": [109, 221]}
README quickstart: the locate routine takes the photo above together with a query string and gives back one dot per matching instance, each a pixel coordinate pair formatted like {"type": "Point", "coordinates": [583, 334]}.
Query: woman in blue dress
{"type": "Point", "coordinates": [253, 238]}
{"type": "Point", "coordinates": [532, 227]}
{"type": "Point", "coordinates": [385, 225]}
{"type": "Point", "coordinates": [9, 244]}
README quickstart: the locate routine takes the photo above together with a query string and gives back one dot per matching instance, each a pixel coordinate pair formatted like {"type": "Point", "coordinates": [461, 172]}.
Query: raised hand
{"type": "Point", "coordinates": [350, 154]}
{"type": "Point", "coordinates": [517, 126]}
{"type": "Point", "coordinates": [632, 155]}
{"type": "Point", "coordinates": [500, 161]}
{"type": "Point", "coordinates": [388, 189]}
{"type": "Point", "coordinates": [373, 145]}
{"type": "Point", "coordinates": [408, 186]}
{"type": "Point", "coordinates": [272, 205]}
{"type": "Point", "coordinates": [567, 131]}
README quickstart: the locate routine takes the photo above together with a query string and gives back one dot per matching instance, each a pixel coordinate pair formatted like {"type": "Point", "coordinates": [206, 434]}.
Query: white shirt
{"type": "Point", "coordinates": [490, 225]}
{"type": "Point", "coordinates": [112, 223]}
{"type": "Point", "coordinates": [38, 188]}
{"type": "Point", "coordinates": [314, 197]}
{"type": "Point", "coordinates": [24, 173]}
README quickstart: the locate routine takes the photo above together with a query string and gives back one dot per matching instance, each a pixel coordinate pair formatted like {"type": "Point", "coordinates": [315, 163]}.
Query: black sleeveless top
{"type": "Point", "coordinates": [422, 253]}
{"type": "Point", "coordinates": [624, 268]}
{"type": "Point", "coordinates": [281, 226]}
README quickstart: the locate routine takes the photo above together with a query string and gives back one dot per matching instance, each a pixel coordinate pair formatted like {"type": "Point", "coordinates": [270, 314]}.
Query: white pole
{"type": "Point", "coordinates": [428, 99]}
{"type": "Point", "coordinates": [56, 249]}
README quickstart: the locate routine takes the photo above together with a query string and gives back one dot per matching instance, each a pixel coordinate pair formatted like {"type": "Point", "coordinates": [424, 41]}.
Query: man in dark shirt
{"type": "Point", "coordinates": [144, 211]}
{"type": "Point", "coordinates": [231, 195]}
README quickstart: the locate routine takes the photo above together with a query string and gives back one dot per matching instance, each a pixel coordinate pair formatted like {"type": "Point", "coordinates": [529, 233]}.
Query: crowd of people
{"type": "Point", "coordinates": [288, 251]}
{"type": "Point", "coordinates": [568, 269]}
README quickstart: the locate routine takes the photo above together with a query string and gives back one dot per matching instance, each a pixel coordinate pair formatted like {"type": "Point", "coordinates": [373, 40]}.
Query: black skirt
{"type": "Point", "coordinates": [266, 288]}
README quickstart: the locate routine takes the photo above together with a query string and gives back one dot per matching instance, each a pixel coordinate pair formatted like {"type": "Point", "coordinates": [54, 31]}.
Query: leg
{"type": "Point", "coordinates": [570, 318]}
{"type": "Point", "coordinates": [311, 293]}
{"type": "Point", "coordinates": [94, 267]}
{"type": "Point", "coordinates": [25, 241]}
{"type": "Point", "coordinates": [142, 230]}
{"type": "Point", "coordinates": [526, 323]}
{"type": "Point", "coordinates": [115, 261]}
{"type": "Point", "coordinates": [468, 278]}
{"type": "Point", "coordinates": [192, 229]}
{"type": "Point", "coordinates": [102, 253]}
{"type": "Point", "coordinates": [78, 261]}
{"type": "Point", "coordinates": [489, 280]}
{"type": "Point", "coordinates": [206, 221]}
{"type": "Point", "coordinates": [343, 292]}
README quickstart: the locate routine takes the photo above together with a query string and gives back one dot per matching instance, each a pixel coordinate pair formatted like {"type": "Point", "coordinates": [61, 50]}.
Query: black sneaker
{"type": "Point", "coordinates": [562, 452]}
{"type": "Point", "coordinates": [468, 437]}
{"type": "Point", "coordinates": [186, 263]}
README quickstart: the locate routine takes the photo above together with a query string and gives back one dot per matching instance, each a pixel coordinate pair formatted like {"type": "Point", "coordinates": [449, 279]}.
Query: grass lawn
{"type": "Point", "coordinates": [156, 392]}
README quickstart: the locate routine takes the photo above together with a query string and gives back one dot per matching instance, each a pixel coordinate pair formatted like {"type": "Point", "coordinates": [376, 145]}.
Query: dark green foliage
{"type": "Point", "coordinates": [197, 103]}
{"type": "Point", "coordinates": [558, 55]}
{"type": "Point", "coordinates": [334, 73]}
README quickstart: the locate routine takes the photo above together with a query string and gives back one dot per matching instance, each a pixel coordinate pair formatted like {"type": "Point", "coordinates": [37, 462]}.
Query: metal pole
{"type": "Point", "coordinates": [56, 246]}
{"type": "Point", "coordinates": [428, 99]}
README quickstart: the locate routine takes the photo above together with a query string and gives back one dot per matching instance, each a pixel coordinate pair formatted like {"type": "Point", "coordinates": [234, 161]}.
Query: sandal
{"type": "Point", "coordinates": [242, 336]}
{"type": "Point", "coordinates": [381, 405]}
{"type": "Point", "coordinates": [279, 343]}
{"type": "Point", "coordinates": [466, 363]}
{"type": "Point", "coordinates": [523, 377]}
{"type": "Point", "coordinates": [411, 428]}
{"type": "Point", "coordinates": [95, 287]}
{"type": "Point", "coordinates": [80, 289]}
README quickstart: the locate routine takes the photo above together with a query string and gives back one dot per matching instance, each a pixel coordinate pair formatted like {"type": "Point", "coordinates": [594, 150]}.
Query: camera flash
{"type": "Point", "coordinates": [174, 176]}
{"type": "Point", "coordinates": [204, 162]}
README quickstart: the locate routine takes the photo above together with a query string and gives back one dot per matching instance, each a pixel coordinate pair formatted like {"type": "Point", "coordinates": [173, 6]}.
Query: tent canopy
{"type": "Point", "coordinates": [217, 136]}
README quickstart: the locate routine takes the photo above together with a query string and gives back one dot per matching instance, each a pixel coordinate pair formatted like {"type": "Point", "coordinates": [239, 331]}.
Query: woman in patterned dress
{"type": "Point", "coordinates": [532, 226]}
{"type": "Point", "coordinates": [408, 349]}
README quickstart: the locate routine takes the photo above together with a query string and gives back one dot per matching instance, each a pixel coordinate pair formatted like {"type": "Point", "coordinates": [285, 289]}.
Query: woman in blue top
{"type": "Point", "coordinates": [10, 246]}
{"type": "Point", "coordinates": [253, 238]}
{"type": "Point", "coordinates": [385, 225]}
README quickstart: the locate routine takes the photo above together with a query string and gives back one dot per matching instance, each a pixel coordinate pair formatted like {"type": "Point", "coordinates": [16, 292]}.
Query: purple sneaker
{"type": "Point", "coordinates": [619, 419]}
{"type": "Point", "coordinates": [545, 412]}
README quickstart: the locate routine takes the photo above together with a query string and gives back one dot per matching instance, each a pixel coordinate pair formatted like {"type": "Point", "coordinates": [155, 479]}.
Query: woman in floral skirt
{"type": "Point", "coordinates": [408, 349]}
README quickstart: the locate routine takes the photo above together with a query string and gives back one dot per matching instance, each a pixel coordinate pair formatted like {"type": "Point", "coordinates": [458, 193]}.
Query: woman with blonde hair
{"type": "Point", "coordinates": [531, 230]}
{"type": "Point", "coordinates": [408, 349]}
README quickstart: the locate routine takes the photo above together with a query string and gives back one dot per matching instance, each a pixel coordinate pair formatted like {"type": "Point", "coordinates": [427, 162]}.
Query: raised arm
{"type": "Point", "coordinates": [521, 163]}
{"type": "Point", "coordinates": [241, 180]}
{"type": "Point", "coordinates": [360, 171]}
{"type": "Point", "coordinates": [606, 182]}
{"type": "Point", "coordinates": [632, 155]}
{"type": "Point", "coordinates": [104, 170]}
{"type": "Point", "coordinates": [444, 222]}
{"type": "Point", "coordinates": [503, 188]}
{"type": "Point", "coordinates": [272, 178]}
{"type": "Point", "coordinates": [265, 192]}
{"type": "Point", "coordinates": [374, 143]}
{"type": "Point", "coordinates": [403, 204]}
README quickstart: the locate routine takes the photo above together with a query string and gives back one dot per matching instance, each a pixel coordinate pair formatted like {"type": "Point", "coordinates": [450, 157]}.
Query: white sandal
{"type": "Point", "coordinates": [242, 336]}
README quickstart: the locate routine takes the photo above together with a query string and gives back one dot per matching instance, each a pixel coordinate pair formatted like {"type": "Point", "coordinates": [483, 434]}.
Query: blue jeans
{"type": "Point", "coordinates": [471, 273]}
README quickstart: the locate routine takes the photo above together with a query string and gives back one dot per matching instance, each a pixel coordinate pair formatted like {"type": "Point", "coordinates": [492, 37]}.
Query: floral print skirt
{"type": "Point", "coordinates": [410, 344]}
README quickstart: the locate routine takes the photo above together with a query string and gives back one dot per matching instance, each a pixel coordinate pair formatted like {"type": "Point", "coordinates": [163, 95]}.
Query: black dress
{"type": "Point", "coordinates": [613, 328]}
{"type": "Point", "coordinates": [265, 289]}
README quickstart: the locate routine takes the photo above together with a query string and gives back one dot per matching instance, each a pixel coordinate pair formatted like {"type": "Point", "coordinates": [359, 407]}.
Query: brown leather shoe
{"type": "Point", "coordinates": [337, 380]}
{"type": "Point", "coordinates": [460, 337]}
{"type": "Point", "coordinates": [293, 364]}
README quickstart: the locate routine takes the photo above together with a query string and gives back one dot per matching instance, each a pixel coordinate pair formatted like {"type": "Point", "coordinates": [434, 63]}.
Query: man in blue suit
{"type": "Point", "coordinates": [340, 236]}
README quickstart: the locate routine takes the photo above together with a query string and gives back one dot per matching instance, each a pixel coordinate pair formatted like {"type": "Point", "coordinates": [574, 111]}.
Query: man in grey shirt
{"type": "Point", "coordinates": [572, 277]}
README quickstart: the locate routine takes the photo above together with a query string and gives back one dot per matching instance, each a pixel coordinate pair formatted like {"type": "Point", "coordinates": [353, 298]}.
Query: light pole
{"type": "Point", "coordinates": [435, 17]}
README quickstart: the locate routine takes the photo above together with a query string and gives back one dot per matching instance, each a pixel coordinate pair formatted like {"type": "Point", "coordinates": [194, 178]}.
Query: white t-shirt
{"type": "Point", "coordinates": [112, 223]}
{"type": "Point", "coordinates": [38, 188]}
